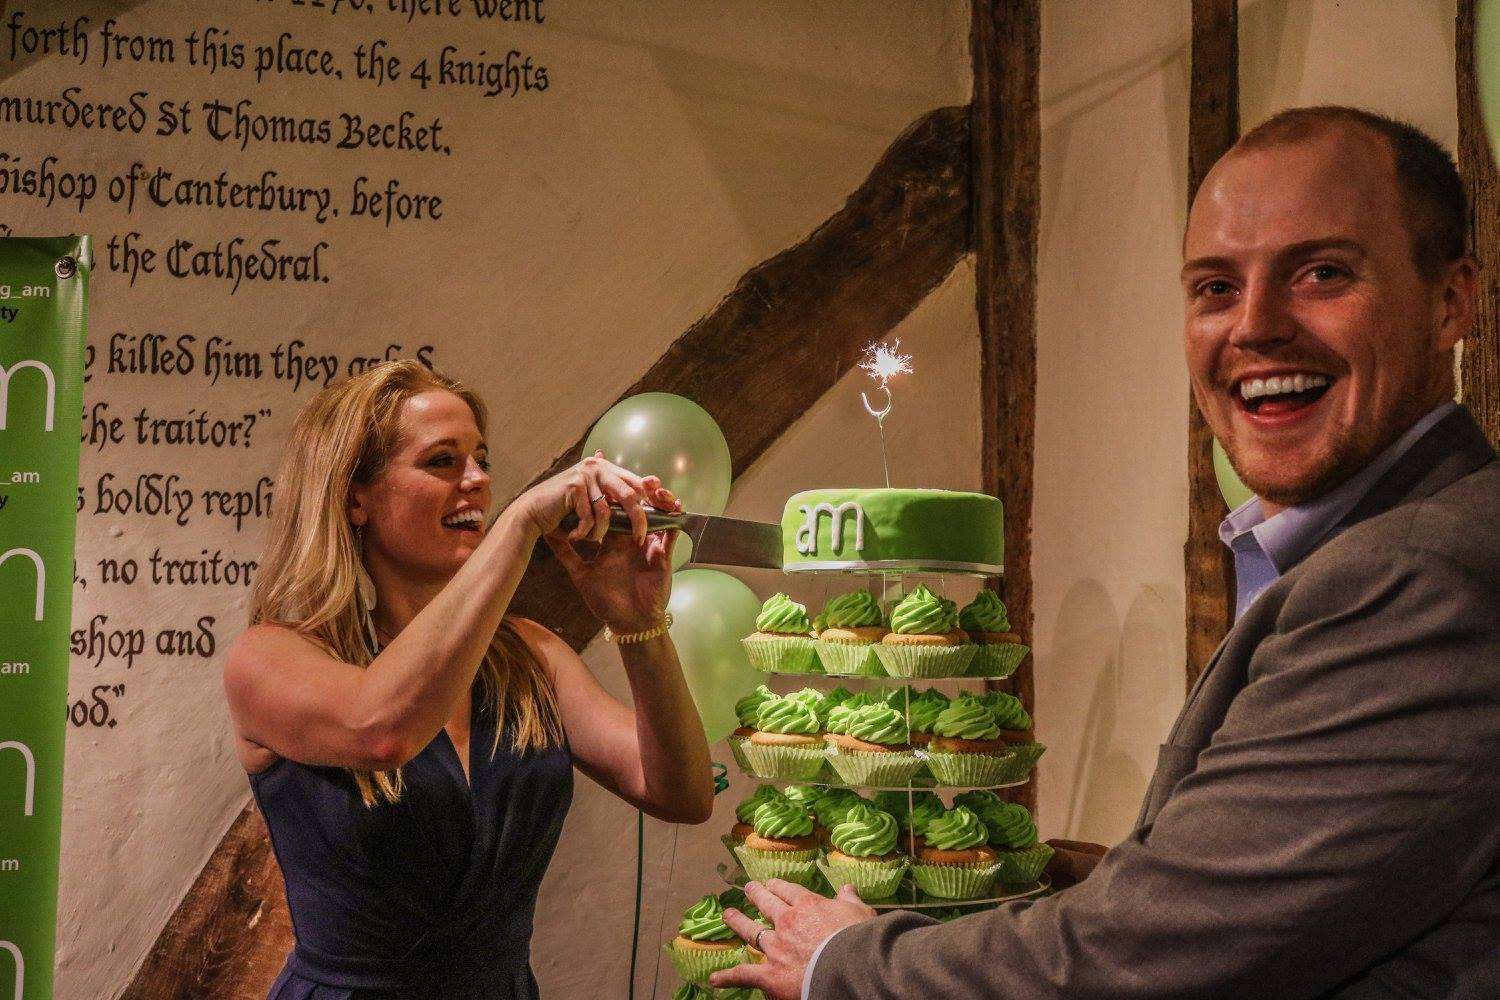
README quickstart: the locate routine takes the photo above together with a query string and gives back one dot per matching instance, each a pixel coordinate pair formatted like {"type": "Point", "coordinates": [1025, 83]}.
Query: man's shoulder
{"type": "Point", "coordinates": [1457, 523]}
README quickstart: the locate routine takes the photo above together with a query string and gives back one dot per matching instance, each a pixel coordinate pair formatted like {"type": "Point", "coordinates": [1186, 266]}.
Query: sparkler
{"type": "Point", "coordinates": [881, 363]}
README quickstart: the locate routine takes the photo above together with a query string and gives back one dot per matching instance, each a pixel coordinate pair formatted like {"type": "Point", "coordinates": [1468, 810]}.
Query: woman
{"type": "Point", "coordinates": [408, 744]}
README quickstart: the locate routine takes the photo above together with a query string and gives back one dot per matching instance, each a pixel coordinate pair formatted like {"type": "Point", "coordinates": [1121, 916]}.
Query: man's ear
{"type": "Point", "coordinates": [1456, 304]}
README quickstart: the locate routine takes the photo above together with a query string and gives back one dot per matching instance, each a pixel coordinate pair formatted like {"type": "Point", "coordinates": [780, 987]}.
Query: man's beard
{"type": "Point", "coordinates": [1347, 454]}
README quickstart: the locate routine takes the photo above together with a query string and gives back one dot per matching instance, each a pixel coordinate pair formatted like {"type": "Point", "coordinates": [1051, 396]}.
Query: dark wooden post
{"type": "Point", "coordinates": [1476, 162]}
{"type": "Point", "coordinates": [1006, 134]}
{"type": "Point", "coordinates": [1213, 126]}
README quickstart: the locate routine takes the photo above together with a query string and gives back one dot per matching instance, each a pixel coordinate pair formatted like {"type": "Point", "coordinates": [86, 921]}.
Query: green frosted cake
{"type": "Point", "coordinates": [937, 531]}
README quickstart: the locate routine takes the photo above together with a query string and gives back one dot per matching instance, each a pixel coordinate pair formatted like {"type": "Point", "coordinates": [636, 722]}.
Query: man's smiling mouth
{"type": "Point", "coordinates": [1284, 392]}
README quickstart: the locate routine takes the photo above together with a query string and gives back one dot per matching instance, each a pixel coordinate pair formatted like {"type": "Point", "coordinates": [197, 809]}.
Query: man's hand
{"type": "Point", "coordinates": [800, 921]}
{"type": "Point", "coordinates": [1073, 861]}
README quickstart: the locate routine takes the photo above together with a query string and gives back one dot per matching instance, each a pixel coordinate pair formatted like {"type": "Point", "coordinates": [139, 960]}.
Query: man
{"type": "Point", "coordinates": [1324, 820]}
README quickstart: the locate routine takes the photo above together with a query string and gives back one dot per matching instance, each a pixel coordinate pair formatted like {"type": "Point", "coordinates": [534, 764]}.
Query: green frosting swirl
{"type": "Point", "coordinates": [1010, 825]}
{"type": "Point", "coordinates": [858, 609]}
{"type": "Point", "coordinates": [788, 715]}
{"type": "Point", "coordinates": [965, 718]}
{"type": "Point", "coordinates": [747, 707]}
{"type": "Point", "coordinates": [745, 811]}
{"type": "Point", "coordinates": [737, 899]}
{"type": "Point", "coordinates": [865, 832]}
{"type": "Point", "coordinates": [924, 613]}
{"type": "Point", "coordinates": [838, 718]}
{"type": "Point", "coordinates": [783, 819]}
{"type": "Point", "coordinates": [687, 991]}
{"type": "Point", "coordinates": [834, 803]}
{"type": "Point", "coordinates": [704, 921]}
{"type": "Point", "coordinates": [784, 616]}
{"type": "Point", "coordinates": [924, 808]}
{"type": "Point", "coordinates": [985, 613]}
{"type": "Point", "coordinates": [819, 623]}
{"type": "Point", "coordinates": [803, 795]}
{"type": "Point", "coordinates": [1007, 710]}
{"type": "Point", "coordinates": [925, 709]}
{"type": "Point", "coordinates": [896, 697]}
{"type": "Point", "coordinates": [878, 724]}
{"type": "Point", "coordinates": [814, 699]}
{"type": "Point", "coordinates": [956, 830]}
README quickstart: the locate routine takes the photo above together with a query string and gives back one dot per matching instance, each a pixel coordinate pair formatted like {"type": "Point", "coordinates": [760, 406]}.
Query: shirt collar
{"type": "Point", "coordinates": [1290, 535]}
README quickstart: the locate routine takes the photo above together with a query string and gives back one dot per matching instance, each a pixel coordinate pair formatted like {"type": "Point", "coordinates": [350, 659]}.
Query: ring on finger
{"type": "Point", "coordinates": [758, 935]}
{"type": "Point", "coordinates": [596, 499]}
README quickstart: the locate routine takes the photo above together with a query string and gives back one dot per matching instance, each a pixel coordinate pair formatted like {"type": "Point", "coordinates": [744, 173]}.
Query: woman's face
{"type": "Point", "coordinates": [424, 513]}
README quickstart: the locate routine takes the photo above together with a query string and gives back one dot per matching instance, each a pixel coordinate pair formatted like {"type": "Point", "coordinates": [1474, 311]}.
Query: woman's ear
{"type": "Point", "coordinates": [359, 515]}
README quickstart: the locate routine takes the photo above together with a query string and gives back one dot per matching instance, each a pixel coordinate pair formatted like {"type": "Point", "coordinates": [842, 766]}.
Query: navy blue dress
{"type": "Point", "coordinates": [430, 898]}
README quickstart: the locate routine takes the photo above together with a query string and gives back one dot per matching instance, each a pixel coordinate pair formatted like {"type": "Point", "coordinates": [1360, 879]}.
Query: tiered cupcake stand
{"type": "Point", "coordinates": [908, 895]}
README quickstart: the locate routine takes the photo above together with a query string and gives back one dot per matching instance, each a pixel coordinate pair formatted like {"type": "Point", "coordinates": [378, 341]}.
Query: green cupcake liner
{"type": "Point", "coordinates": [925, 661]}
{"type": "Point", "coordinates": [737, 751]}
{"type": "Point", "coordinates": [854, 659]}
{"type": "Point", "coordinates": [730, 845]}
{"type": "Point", "coordinates": [697, 966]}
{"type": "Point", "coordinates": [955, 881]}
{"type": "Point", "coordinates": [785, 763]}
{"type": "Point", "coordinates": [787, 654]}
{"type": "Point", "coordinates": [1024, 866]}
{"type": "Point", "coordinates": [871, 768]}
{"type": "Point", "coordinates": [762, 865]}
{"type": "Point", "coordinates": [807, 855]}
{"type": "Point", "coordinates": [997, 659]}
{"type": "Point", "coordinates": [982, 770]}
{"type": "Point", "coordinates": [871, 880]}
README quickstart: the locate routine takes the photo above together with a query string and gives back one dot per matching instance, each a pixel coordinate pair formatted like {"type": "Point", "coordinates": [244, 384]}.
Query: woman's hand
{"type": "Point", "coordinates": [627, 580]}
{"type": "Point", "coordinates": [588, 489]}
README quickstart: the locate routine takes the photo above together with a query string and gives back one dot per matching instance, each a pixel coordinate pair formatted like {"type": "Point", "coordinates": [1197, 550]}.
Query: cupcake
{"type": "Point", "coordinates": [864, 853]}
{"type": "Point", "coordinates": [957, 861]}
{"type": "Point", "coordinates": [744, 813]}
{"type": "Point", "coordinates": [782, 640]}
{"type": "Point", "coordinates": [831, 807]}
{"type": "Point", "coordinates": [787, 742]}
{"type": "Point", "coordinates": [781, 845]}
{"type": "Point", "coordinates": [704, 942]}
{"type": "Point", "coordinates": [1012, 833]}
{"type": "Point", "coordinates": [923, 713]}
{"type": "Point", "coordinates": [913, 811]}
{"type": "Point", "coordinates": [746, 710]}
{"type": "Point", "coordinates": [966, 747]}
{"type": "Point", "coordinates": [852, 625]}
{"type": "Point", "coordinates": [1009, 714]}
{"type": "Point", "coordinates": [925, 640]}
{"type": "Point", "coordinates": [997, 650]}
{"type": "Point", "coordinates": [874, 748]}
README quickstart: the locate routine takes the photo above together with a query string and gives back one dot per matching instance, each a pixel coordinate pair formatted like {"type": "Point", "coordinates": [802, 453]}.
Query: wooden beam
{"type": "Point", "coordinates": [1006, 127]}
{"type": "Point", "coordinates": [1213, 126]}
{"type": "Point", "coordinates": [1480, 377]}
{"type": "Point", "coordinates": [790, 329]}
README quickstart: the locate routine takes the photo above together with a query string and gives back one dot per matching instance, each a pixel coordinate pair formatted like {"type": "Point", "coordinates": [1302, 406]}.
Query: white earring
{"type": "Point", "coordinates": [366, 588]}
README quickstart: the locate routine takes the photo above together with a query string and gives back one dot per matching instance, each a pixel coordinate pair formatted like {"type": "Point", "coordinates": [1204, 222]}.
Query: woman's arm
{"type": "Point", "coordinates": [297, 700]}
{"type": "Point", "coordinates": [655, 757]}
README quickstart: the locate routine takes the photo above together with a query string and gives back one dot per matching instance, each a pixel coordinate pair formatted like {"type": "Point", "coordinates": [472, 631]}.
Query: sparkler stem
{"type": "Point", "coordinates": [884, 462]}
{"type": "Point", "coordinates": [880, 416]}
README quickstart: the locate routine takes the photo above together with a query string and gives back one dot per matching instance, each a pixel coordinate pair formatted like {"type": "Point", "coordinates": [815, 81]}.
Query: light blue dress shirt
{"type": "Point", "coordinates": [1266, 547]}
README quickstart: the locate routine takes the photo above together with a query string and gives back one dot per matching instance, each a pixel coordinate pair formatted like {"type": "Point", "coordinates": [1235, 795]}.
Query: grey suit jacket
{"type": "Point", "coordinates": [1324, 820]}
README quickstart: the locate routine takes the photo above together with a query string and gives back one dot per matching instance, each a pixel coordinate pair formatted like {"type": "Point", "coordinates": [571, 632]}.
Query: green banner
{"type": "Point", "coordinates": [43, 327]}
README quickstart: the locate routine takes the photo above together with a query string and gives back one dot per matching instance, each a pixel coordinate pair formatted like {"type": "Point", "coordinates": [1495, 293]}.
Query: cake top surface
{"type": "Point", "coordinates": [893, 530]}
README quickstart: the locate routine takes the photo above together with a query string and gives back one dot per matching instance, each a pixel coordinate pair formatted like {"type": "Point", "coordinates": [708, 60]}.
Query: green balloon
{"type": "Point", "coordinates": [659, 434]}
{"type": "Point", "coordinates": [1234, 491]}
{"type": "Point", "coordinates": [1487, 68]}
{"type": "Point", "coordinates": [711, 613]}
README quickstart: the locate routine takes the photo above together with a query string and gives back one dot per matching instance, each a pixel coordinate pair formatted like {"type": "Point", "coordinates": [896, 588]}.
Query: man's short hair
{"type": "Point", "coordinates": [1435, 209]}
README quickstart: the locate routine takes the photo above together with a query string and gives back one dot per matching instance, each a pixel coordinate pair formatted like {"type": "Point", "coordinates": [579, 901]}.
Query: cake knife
{"type": "Point", "coordinates": [718, 541]}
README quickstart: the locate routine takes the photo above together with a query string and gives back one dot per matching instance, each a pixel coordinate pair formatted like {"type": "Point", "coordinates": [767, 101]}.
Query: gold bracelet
{"type": "Point", "coordinates": [610, 635]}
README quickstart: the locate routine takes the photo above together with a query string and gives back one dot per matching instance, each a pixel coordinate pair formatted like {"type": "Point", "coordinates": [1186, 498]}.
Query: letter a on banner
{"type": "Point", "coordinates": [43, 327]}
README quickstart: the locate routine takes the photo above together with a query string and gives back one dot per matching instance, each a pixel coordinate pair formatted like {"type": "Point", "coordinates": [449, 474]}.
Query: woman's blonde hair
{"type": "Point", "coordinates": [309, 578]}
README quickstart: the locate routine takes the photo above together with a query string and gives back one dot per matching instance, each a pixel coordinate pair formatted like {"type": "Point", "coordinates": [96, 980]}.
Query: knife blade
{"type": "Point", "coordinates": [718, 541]}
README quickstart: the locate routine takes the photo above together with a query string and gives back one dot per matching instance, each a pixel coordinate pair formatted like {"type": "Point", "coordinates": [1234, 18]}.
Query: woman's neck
{"type": "Point", "coordinates": [399, 598]}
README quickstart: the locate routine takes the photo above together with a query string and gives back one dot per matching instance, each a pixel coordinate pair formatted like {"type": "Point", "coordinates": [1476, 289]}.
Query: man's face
{"type": "Point", "coordinates": [1312, 341]}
